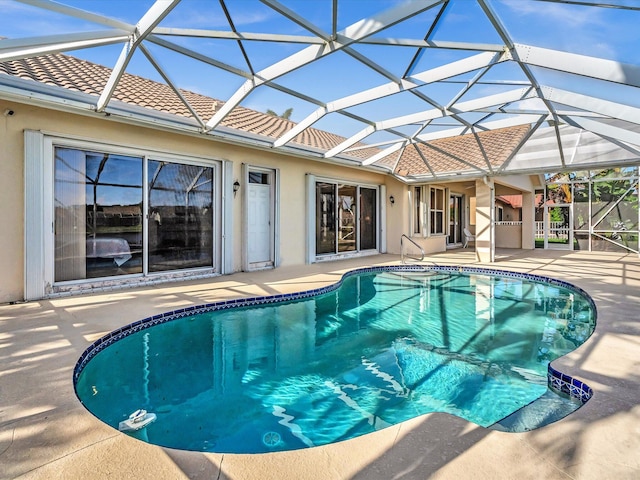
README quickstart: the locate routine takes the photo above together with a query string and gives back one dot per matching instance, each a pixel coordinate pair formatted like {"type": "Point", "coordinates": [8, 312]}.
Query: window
{"type": "Point", "coordinates": [436, 211]}
{"type": "Point", "coordinates": [259, 177]}
{"type": "Point", "coordinates": [100, 205]}
{"type": "Point", "coordinates": [428, 211]}
{"type": "Point", "coordinates": [346, 218]}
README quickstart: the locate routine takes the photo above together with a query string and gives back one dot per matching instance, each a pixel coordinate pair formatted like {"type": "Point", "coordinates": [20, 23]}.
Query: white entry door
{"type": "Point", "coordinates": [260, 221]}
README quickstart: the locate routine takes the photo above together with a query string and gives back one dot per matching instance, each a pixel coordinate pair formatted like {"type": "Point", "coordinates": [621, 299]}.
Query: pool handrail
{"type": "Point", "coordinates": [402, 254]}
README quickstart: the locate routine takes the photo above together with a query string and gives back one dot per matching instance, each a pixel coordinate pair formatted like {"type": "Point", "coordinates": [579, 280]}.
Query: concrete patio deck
{"type": "Point", "coordinates": [45, 433]}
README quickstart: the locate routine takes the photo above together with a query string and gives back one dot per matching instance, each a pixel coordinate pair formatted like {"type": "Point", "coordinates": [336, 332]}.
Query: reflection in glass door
{"type": "Point", "coordinates": [98, 214]}
{"type": "Point", "coordinates": [111, 219]}
{"type": "Point", "coordinates": [346, 218]}
{"type": "Point", "coordinates": [455, 219]}
{"type": "Point", "coordinates": [367, 218]}
{"type": "Point", "coordinates": [325, 218]}
{"type": "Point", "coordinates": [347, 215]}
{"type": "Point", "coordinates": [180, 222]}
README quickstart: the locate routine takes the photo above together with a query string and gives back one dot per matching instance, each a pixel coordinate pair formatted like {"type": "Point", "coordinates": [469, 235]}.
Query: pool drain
{"type": "Point", "coordinates": [271, 439]}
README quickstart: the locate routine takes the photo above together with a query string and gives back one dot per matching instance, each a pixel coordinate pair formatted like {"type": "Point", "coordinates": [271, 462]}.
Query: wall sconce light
{"type": "Point", "coordinates": [392, 200]}
{"type": "Point", "coordinates": [236, 187]}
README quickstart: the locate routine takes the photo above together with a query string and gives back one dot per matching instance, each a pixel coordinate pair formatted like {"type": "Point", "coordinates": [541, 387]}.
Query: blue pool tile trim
{"type": "Point", "coordinates": [573, 387]}
{"type": "Point", "coordinates": [556, 380]}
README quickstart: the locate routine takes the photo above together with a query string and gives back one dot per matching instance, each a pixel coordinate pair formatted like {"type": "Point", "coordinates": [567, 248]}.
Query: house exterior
{"type": "Point", "coordinates": [103, 200]}
{"type": "Point", "coordinates": [137, 194]}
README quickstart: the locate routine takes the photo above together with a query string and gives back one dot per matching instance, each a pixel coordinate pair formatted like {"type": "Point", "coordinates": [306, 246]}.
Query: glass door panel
{"type": "Point", "coordinates": [98, 214]}
{"type": "Point", "coordinates": [325, 218]}
{"type": "Point", "coordinates": [180, 219]}
{"type": "Point", "coordinates": [437, 211]}
{"type": "Point", "coordinates": [347, 233]}
{"type": "Point", "coordinates": [455, 219]}
{"type": "Point", "coordinates": [70, 215]}
{"type": "Point", "coordinates": [539, 236]}
{"type": "Point", "coordinates": [367, 218]}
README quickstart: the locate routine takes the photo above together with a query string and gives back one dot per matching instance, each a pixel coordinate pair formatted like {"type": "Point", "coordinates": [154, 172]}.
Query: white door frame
{"type": "Point", "coordinates": [274, 220]}
{"type": "Point", "coordinates": [548, 230]}
{"type": "Point", "coordinates": [458, 223]}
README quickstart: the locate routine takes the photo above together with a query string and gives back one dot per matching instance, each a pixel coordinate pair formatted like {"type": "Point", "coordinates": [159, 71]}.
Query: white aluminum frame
{"type": "Point", "coordinates": [526, 100]}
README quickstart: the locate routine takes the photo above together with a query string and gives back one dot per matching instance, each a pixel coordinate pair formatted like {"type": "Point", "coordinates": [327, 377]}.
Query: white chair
{"type": "Point", "coordinates": [467, 237]}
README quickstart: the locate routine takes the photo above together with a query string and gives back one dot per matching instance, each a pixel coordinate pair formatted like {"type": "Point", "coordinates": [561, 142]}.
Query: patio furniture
{"type": "Point", "coordinates": [467, 237]}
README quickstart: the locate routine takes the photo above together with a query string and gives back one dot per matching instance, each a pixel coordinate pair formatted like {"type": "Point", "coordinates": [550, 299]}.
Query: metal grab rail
{"type": "Point", "coordinates": [402, 254]}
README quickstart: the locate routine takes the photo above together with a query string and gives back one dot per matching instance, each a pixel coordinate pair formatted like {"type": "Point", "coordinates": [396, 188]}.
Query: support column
{"type": "Point", "coordinates": [485, 225]}
{"type": "Point", "coordinates": [528, 220]}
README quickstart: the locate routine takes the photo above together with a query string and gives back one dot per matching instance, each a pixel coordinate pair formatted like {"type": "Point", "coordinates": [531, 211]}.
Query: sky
{"type": "Point", "coordinates": [588, 30]}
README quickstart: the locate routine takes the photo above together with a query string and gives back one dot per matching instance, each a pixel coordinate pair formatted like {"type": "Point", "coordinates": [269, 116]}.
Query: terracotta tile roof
{"type": "Point", "coordinates": [87, 77]}
{"type": "Point", "coordinates": [80, 75]}
{"type": "Point", "coordinates": [461, 153]}
{"type": "Point", "coordinates": [514, 200]}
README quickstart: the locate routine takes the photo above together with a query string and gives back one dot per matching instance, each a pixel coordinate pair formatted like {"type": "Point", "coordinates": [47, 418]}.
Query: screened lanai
{"type": "Point", "coordinates": [214, 150]}
{"type": "Point", "coordinates": [396, 76]}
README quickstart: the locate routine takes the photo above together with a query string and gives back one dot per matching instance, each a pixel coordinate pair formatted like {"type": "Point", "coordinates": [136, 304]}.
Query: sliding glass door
{"type": "Point", "coordinates": [346, 218]}
{"type": "Point", "coordinates": [99, 208]}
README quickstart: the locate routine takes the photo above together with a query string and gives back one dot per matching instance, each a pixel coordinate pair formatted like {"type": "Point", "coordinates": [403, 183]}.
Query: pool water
{"type": "Point", "coordinates": [385, 346]}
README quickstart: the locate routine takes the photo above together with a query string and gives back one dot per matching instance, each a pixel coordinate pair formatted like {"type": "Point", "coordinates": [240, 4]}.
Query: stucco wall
{"type": "Point", "coordinates": [508, 236]}
{"type": "Point", "coordinates": [97, 128]}
{"type": "Point", "coordinates": [520, 183]}
{"type": "Point", "coordinates": [397, 217]}
{"type": "Point", "coordinates": [528, 221]}
{"type": "Point", "coordinates": [484, 232]}
{"type": "Point", "coordinates": [11, 200]}
{"type": "Point", "coordinates": [437, 243]}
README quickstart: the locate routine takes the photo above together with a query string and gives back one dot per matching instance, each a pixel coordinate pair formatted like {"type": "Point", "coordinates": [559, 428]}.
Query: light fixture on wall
{"type": "Point", "coordinates": [236, 187]}
{"type": "Point", "coordinates": [392, 200]}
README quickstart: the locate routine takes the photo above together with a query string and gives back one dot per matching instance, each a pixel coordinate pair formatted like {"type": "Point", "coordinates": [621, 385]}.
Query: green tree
{"type": "Point", "coordinates": [556, 215]}
{"type": "Point", "coordinates": [286, 114]}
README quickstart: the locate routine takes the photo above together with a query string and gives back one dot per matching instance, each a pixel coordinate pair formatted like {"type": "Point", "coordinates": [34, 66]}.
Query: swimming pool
{"type": "Point", "coordinates": [384, 345]}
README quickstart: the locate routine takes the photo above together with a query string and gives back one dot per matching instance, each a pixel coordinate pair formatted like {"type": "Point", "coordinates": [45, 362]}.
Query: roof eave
{"type": "Point", "coordinates": [60, 99]}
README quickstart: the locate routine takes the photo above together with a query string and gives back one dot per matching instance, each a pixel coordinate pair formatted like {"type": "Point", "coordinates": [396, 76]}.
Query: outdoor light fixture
{"type": "Point", "coordinates": [236, 187]}
{"type": "Point", "coordinates": [392, 200]}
